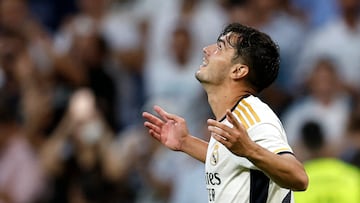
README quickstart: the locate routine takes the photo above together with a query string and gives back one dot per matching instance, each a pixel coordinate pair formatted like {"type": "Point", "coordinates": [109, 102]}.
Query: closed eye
{"type": "Point", "coordinates": [219, 45]}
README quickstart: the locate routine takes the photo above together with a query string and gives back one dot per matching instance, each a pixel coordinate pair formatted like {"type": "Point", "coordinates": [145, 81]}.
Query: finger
{"type": "Point", "coordinates": [154, 131]}
{"type": "Point", "coordinates": [161, 112]}
{"type": "Point", "coordinates": [153, 127]}
{"type": "Point", "coordinates": [165, 115]}
{"type": "Point", "coordinates": [155, 135]}
{"type": "Point", "coordinates": [219, 132]}
{"type": "Point", "coordinates": [220, 139]}
{"type": "Point", "coordinates": [232, 119]}
{"type": "Point", "coordinates": [153, 119]}
{"type": "Point", "coordinates": [222, 126]}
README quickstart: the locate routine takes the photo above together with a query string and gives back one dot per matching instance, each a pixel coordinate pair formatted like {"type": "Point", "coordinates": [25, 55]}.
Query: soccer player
{"type": "Point", "coordinates": [332, 179]}
{"type": "Point", "coordinates": [247, 158]}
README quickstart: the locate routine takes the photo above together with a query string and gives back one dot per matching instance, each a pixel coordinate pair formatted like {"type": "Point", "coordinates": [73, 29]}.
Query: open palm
{"type": "Point", "coordinates": [169, 129]}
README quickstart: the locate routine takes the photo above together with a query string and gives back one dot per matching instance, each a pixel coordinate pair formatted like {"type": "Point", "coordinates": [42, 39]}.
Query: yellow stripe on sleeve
{"type": "Point", "coordinates": [241, 119]}
{"type": "Point", "coordinates": [247, 115]}
{"type": "Point", "coordinates": [251, 110]}
{"type": "Point", "coordinates": [282, 150]}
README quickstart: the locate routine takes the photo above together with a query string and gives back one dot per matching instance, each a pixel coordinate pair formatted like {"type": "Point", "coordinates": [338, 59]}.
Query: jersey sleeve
{"type": "Point", "coordinates": [270, 137]}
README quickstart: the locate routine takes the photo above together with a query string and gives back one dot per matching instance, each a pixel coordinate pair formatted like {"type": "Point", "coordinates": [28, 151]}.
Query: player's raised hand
{"type": "Point", "coordinates": [169, 129]}
{"type": "Point", "coordinates": [235, 138]}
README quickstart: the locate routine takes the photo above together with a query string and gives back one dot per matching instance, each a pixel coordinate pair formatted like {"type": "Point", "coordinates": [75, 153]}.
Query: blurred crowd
{"type": "Point", "coordinates": [75, 76]}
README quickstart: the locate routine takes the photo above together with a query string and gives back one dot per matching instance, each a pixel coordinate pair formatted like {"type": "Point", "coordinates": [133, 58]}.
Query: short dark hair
{"type": "Point", "coordinates": [312, 135]}
{"type": "Point", "coordinates": [256, 50]}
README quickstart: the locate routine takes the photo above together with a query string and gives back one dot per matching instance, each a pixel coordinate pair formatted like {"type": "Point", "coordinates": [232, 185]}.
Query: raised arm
{"type": "Point", "coordinates": [172, 131]}
{"type": "Point", "coordinates": [285, 170]}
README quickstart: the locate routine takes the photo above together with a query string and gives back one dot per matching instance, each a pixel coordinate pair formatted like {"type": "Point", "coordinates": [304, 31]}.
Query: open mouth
{"type": "Point", "coordinates": [204, 62]}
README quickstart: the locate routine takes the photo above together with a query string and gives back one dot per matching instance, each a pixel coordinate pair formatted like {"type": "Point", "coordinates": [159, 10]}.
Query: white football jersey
{"type": "Point", "coordinates": [231, 178]}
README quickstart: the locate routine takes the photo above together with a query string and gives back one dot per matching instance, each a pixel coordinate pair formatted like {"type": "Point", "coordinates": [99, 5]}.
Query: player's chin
{"type": "Point", "coordinates": [201, 77]}
{"type": "Point", "coordinates": [198, 75]}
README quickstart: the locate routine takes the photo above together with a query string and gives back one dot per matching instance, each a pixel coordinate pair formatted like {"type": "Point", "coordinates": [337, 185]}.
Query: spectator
{"type": "Point", "coordinates": [73, 155]}
{"type": "Point", "coordinates": [125, 53]}
{"type": "Point", "coordinates": [326, 172]}
{"type": "Point", "coordinates": [351, 145]}
{"type": "Point", "coordinates": [22, 179]}
{"type": "Point", "coordinates": [317, 13]}
{"type": "Point", "coordinates": [51, 13]}
{"type": "Point", "coordinates": [339, 39]}
{"type": "Point", "coordinates": [25, 84]}
{"type": "Point", "coordinates": [14, 15]}
{"type": "Point", "coordinates": [324, 102]}
{"type": "Point", "coordinates": [87, 64]}
{"type": "Point", "coordinates": [171, 79]}
{"type": "Point", "coordinates": [194, 13]}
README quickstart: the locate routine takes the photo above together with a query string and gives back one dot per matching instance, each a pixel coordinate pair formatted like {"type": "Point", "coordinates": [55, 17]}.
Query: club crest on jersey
{"type": "Point", "coordinates": [214, 159]}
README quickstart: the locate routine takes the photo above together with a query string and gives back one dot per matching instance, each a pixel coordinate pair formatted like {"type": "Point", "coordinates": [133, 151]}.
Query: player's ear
{"type": "Point", "coordinates": [239, 71]}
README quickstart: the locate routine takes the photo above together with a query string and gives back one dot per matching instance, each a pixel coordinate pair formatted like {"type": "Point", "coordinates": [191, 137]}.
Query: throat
{"type": "Point", "coordinates": [220, 105]}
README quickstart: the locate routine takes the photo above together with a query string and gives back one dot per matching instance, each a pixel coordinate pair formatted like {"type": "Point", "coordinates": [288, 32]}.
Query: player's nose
{"type": "Point", "coordinates": [207, 50]}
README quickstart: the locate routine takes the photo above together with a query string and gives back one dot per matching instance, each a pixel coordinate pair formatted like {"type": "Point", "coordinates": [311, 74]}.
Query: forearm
{"type": "Point", "coordinates": [285, 170]}
{"type": "Point", "coordinates": [195, 147]}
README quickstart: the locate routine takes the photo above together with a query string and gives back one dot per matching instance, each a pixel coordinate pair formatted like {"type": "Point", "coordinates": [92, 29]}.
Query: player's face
{"type": "Point", "coordinates": [217, 61]}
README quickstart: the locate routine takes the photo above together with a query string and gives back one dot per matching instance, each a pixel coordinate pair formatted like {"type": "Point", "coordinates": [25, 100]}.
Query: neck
{"type": "Point", "coordinates": [221, 99]}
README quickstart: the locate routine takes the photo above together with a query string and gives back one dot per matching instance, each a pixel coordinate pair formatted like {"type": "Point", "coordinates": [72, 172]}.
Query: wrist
{"type": "Point", "coordinates": [253, 151]}
{"type": "Point", "coordinates": [186, 143]}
